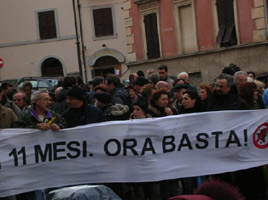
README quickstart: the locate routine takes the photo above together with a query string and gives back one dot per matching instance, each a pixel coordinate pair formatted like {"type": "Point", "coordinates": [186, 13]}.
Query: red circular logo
{"type": "Point", "coordinates": [260, 136]}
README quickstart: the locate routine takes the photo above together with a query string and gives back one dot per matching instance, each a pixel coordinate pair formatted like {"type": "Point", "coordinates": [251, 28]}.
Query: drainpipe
{"type": "Point", "coordinates": [77, 43]}
{"type": "Point", "coordinates": [82, 40]}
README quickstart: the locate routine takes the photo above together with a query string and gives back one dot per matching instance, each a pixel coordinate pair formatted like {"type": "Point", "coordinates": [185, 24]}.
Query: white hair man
{"type": "Point", "coordinates": [185, 77]}
{"type": "Point", "coordinates": [240, 78]}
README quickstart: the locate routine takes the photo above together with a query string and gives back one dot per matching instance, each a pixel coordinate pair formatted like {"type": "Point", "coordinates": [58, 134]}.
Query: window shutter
{"type": "Point", "coordinates": [47, 25]}
{"type": "Point", "coordinates": [151, 32]}
{"type": "Point", "coordinates": [103, 22]}
{"type": "Point", "coordinates": [227, 33]}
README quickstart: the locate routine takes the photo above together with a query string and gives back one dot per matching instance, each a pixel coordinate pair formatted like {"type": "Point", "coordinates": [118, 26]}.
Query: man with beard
{"type": "Point", "coordinates": [163, 73]}
{"type": "Point", "coordinates": [223, 97]}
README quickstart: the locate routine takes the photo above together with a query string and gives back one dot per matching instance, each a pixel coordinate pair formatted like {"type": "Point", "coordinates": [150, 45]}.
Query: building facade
{"type": "Point", "coordinates": [39, 38]}
{"type": "Point", "coordinates": [199, 37]}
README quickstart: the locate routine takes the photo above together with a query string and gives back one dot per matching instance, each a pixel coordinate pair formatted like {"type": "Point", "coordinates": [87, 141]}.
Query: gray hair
{"type": "Point", "coordinates": [37, 95]}
{"type": "Point", "coordinates": [238, 73]}
{"type": "Point", "coordinates": [183, 73]}
{"type": "Point", "coordinates": [229, 79]}
{"type": "Point", "coordinates": [23, 96]}
{"type": "Point", "coordinates": [154, 78]}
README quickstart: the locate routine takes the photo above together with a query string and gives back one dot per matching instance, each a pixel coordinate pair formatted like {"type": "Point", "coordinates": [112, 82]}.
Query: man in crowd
{"type": "Point", "coordinates": [163, 73]}
{"type": "Point", "coordinates": [20, 100]}
{"type": "Point", "coordinates": [178, 91]}
{"type": "Point", "coordinates": [5, 87]}
{"type": "Point", "coordinates": [39, 114]}
{"type": "Point", "coordinates": [141, 81]}
{"type": "Point", "coordinates": [240, 78]}
{"type": "Point", "coordinates": [223, 98]}
{"type": "Point", "coordinates": [5, 101]}
{"type": "Point", "coordinates": [185, 77]}
{"type": "Point", "coordinates": [60, 105]}
{"type": "Point", "coordinates": [162, 84]}
{"type": "Point", "coordinates": [79, 112]}
{"type": "Point", "coordinates": [27, 89]}
{"type": "Point", "coordinates": [132, 78]}
{"type": "Point", "coordinates": [154, 78]}
{"type": "Point", "coordinates": [117, 90]}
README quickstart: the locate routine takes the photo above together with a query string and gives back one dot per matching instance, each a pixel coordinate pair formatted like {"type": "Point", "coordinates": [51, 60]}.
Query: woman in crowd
{"type": "Point", "coordinates": [147, 91]}
{"type": "Point", "coordinates": [140, 109]}
{"type": "Point", "coordinates": [131, 92]}
{"type": "Point", "coordinates": [206, 90]}
{"type": "Point", "coordinates": [191, 103]}
{"type": "Point", "coordinates": [248, 92]}
{"type": "Point", "coordinates": [159, 103]}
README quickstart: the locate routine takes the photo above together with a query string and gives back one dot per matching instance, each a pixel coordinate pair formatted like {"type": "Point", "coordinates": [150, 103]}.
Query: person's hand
{"type": "Point", "coordinates": [43, 126]}
{"type": "Point", "coordinates": [54, 127]}
{"type": "Point", "coordinates": [168, 111]}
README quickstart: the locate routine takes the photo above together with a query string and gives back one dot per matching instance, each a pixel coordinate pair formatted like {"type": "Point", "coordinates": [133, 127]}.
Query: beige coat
{"type": "Point", "coordinates": [7, 117]}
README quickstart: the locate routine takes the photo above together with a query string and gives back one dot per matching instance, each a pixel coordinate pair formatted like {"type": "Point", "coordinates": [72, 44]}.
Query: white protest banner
{"type": "Point", "coordinates": [133, 151]}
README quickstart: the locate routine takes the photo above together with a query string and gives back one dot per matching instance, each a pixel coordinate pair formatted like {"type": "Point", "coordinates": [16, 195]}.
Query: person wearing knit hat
{"type": "Point", "coordinates": [140, 81]}
{"type": "Point", "coordinates": [79, 112]}
{"type": "Point", "coordinates": [77, 93]}
{"type": "Point", "coordinates": [103, 97]}
{"type": "Point", "coordinates": [140, 108]}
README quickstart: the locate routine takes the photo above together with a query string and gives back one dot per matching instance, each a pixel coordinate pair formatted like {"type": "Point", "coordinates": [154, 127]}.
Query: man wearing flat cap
{"type": "Point", "coordinates": [79, 111]}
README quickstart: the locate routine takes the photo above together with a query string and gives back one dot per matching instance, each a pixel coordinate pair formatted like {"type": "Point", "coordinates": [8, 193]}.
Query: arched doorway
{"type": "Point", "coordinates": [106, 65]}
{"type": "Point", "coordinates": [51, 67]}
{"type": "Point", "coordinates": [106, 61]}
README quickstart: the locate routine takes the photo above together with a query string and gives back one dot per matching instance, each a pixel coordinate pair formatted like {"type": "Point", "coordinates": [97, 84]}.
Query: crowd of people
{"type": "Point", "coordinates": [73, 103]}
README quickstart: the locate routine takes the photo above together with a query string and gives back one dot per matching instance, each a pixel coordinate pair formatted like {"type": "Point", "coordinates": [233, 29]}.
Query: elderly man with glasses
{"type": "Point", "coordinates": [40, 116]}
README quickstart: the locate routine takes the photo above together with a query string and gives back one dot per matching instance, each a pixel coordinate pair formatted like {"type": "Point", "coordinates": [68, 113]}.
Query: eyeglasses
{"type": "Point", "coordinates": [220, 86]}
{"type": "Point", "coordinates": [46, 99]}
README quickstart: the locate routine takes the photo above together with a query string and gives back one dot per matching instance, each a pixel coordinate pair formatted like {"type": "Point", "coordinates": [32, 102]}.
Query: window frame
{"type": "Point", "coordinates": [94, 37]}
{"type": "Point", "coordinates": [177, 5]}
{"type": "Point", "coordinates": [143, 13]}
{"type": "Point", "coordinates": [56, 23]}
{"type": "Point", "coordinates": [216, 23]}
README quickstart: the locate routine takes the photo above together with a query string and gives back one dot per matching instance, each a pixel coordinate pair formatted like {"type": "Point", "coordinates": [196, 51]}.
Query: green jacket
{"type": "Point", "coordinates": [30, 119]}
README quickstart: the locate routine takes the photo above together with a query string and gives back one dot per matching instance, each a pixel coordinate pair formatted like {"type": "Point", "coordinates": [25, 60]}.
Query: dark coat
{"type": "Point", "coordinates": [60, 105]}
{"type": "Point", "coordinates": [226, 102]}
{"type": "Point", "coordinates": [156, 111]}
{"type": "Point", "coordinates": [87, 114]}
{"type": "Point", "coordinates": [120, 96]}
{"type": "Point", "coordinates": [199, 107]}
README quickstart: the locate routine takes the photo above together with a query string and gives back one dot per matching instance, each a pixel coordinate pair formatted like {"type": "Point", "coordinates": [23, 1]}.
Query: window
{"type": "Point", "coordinates": [227, 31]}
{"type": "Point", "coordinates": [47, 25]}
{"type": "Point", "coordinates": [151, 34]}
{"type": "Point", "coordinates": [186, 28]}
{"type": "Point", "coordinates": [103, 22]}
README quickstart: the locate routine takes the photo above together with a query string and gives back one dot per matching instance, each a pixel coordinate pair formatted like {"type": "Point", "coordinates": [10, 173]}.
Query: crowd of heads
{"type": "Point", "coordinates": [156, 95]}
